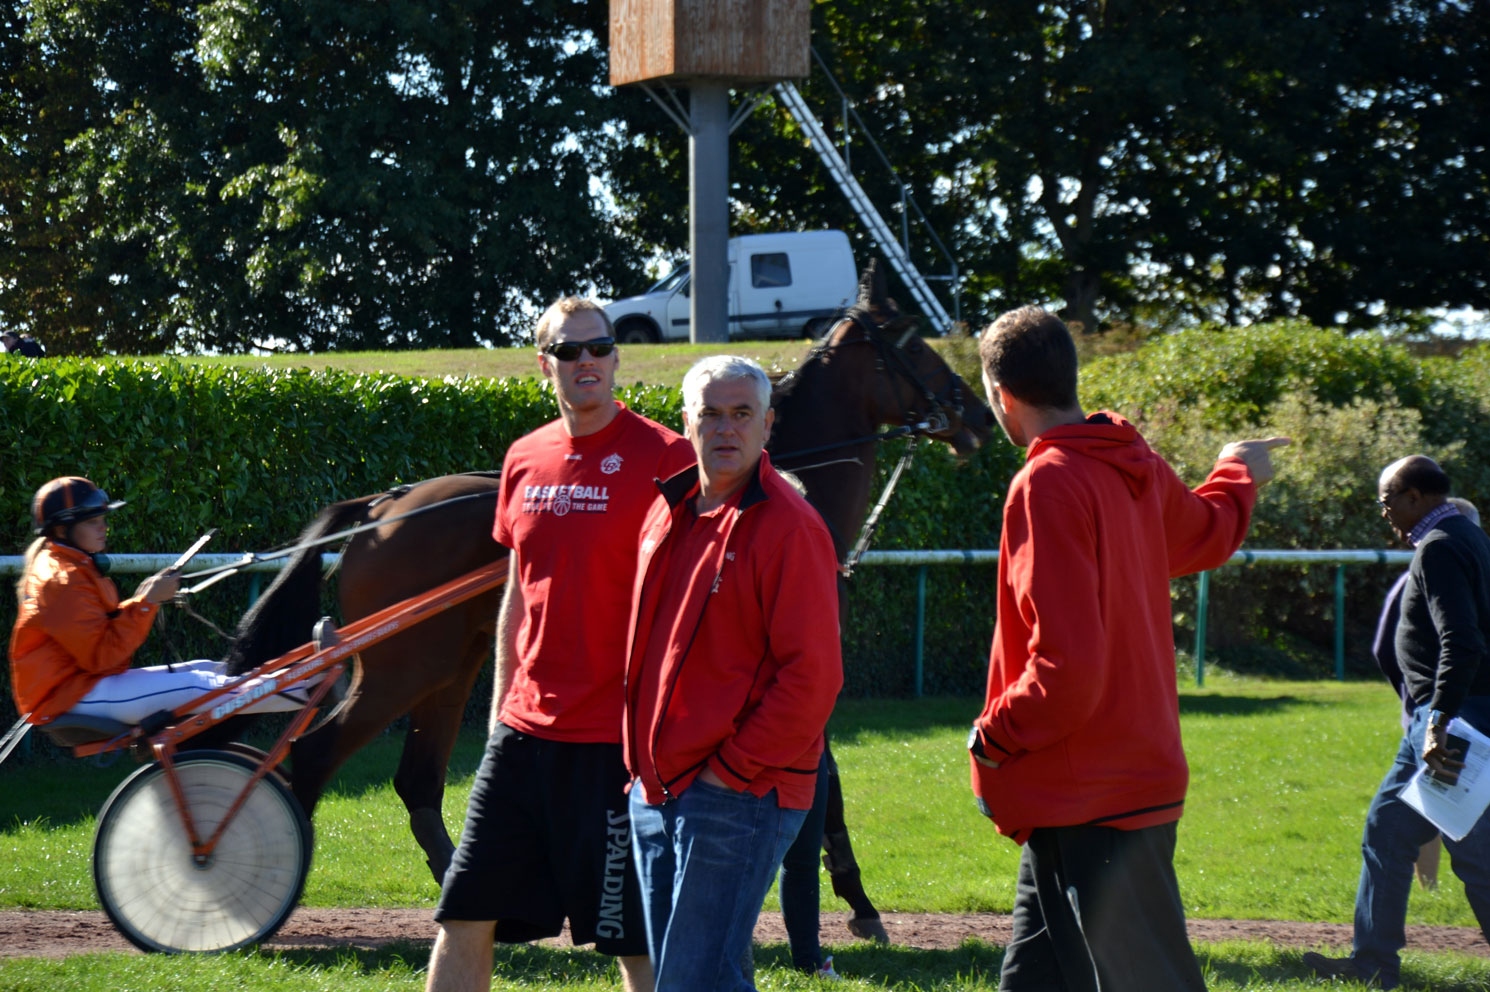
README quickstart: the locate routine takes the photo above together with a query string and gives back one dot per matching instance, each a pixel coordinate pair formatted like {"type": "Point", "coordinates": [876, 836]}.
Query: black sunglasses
{"type": "Point", "coordinates": [568, 351]}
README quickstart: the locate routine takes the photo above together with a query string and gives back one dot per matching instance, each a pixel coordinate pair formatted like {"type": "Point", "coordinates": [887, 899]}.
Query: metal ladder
{"type": "Point", "coordinates": [879, 231]}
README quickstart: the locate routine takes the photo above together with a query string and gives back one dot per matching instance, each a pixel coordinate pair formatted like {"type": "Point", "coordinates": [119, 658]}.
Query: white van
{"type": "Point", "coordinates": [780, 285]}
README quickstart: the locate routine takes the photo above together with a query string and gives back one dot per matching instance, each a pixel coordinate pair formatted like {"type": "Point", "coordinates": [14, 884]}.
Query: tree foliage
{"type": "Point", "coordinates": [1237, 161]}
{"type": "Point", "coordinates": [221, 174]}
{"type": "Point", "coordinates": [226, 174]}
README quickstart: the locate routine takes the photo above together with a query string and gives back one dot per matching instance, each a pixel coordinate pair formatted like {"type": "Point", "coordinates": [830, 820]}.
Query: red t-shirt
{"type": "Point", "coordinates": [573, 508]}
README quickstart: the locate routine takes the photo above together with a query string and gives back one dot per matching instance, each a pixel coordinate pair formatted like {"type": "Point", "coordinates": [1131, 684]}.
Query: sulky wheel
{"type": "Point", "coordinates": [159, 897]}
{"type": "Point", "coordinates": [257, 755]}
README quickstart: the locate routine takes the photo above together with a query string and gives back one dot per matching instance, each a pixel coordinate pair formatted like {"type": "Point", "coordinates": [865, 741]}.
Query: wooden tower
{"type": "Point", "coordinates": [707, 47]}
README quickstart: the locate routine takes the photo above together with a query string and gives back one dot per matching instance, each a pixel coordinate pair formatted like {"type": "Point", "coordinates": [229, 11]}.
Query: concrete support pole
{"type": "Point", "coordinates": [708, 201]}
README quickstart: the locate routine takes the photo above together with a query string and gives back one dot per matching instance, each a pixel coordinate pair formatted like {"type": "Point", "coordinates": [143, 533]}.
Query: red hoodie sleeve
{"type": "Point", "coordinates": [1205, 526]}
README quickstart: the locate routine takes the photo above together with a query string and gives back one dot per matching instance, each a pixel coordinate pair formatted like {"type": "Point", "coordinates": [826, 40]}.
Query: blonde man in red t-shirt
{"type": "Point", "coordinates": [547, 834]}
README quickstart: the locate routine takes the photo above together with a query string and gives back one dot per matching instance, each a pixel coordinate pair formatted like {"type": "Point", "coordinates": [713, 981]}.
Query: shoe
{"type": "Point", "coordinates": [1345, 969]}
{"type": "Point", "coordinates": [826, 971]}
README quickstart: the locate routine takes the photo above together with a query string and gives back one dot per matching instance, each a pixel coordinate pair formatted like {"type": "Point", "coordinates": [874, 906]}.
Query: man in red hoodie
{"type": "Point", "coordinates": [1077, 752]}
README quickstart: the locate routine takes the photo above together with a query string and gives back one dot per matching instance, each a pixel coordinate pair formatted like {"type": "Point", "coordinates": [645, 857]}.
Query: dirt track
{"type": "Point", "coordinates": [50, 934]}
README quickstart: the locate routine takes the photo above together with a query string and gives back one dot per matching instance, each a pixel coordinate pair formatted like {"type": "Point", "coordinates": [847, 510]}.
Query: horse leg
{"type": "Point", "coordinates": [317, 756]}
{"type": "Point", "coordinates": [843, 868]}
{"type": "Point", "coordinates": [312, 763]}
{"type": "Point", "coordinates": [420, 779]}
{"type": "Point", "coordinates": [434, 726]}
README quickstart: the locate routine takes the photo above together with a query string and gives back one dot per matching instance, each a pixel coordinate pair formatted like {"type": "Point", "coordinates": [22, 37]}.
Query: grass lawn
{"type": "Point", "coordinates": [1281, 775]}
{"type": "Point", "coordinates": [972, 967]}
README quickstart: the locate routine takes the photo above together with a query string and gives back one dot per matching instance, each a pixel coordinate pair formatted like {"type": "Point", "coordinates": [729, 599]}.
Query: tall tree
{"type": "Point", "coordinates": [325, 174]}
{"type": "Point", "coordinates": [1235, 160]}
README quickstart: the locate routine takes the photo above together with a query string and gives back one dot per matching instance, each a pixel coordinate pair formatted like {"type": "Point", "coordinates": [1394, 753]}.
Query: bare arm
{"type": "Point", "coordinates": [509, 619]}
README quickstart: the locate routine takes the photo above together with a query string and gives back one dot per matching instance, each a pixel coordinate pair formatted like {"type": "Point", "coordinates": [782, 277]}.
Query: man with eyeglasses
{"type": "Point", "coordinates": [1442, 644]}
{"type": "Point", "coordinates": [548, 834]}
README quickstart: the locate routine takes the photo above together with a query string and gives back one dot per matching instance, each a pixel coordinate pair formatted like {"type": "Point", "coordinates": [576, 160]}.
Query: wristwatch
{"type": "Point", "coordinates": [1438, 718]}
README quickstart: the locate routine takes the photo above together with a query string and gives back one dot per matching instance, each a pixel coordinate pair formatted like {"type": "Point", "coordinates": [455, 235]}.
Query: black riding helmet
{"type": "Point", "coordinates": [63, 502]}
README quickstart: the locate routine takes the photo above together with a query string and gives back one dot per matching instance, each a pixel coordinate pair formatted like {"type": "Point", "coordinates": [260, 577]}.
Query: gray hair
{"type": "Point", "coordinates": [719, 368]}
{"type": "Point", "coordinates": [1467, 508]}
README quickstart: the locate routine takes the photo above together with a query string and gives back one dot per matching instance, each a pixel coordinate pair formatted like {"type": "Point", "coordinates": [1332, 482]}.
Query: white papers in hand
{"type": "Point", "coordinates": [1455, 809]}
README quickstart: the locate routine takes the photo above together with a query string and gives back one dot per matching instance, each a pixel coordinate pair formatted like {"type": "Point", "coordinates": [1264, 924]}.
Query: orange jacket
{"type": "Point", "coordinates": [71, 631]}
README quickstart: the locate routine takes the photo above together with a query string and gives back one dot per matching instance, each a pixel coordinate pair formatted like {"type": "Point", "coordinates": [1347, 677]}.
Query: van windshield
{"type": "Point", "coordinates": [677, 279]}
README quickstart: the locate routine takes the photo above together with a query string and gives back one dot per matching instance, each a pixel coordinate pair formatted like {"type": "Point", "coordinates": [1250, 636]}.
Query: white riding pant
{"type": "Point", "coordinates": [131, 696]}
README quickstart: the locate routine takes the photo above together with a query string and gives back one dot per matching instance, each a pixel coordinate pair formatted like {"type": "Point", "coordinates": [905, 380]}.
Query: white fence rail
{"type": "Point", "coordinates": [149, 563]}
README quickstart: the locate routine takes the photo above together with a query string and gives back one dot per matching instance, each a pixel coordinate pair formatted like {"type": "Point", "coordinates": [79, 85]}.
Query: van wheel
{"type": "Point", "coordinates": [636, 332]}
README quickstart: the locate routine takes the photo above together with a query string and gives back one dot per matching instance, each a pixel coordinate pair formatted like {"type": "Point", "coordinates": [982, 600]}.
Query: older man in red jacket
{"type": "Point", "coordinates": [733, 668]}
{"type": "Point", "coordinates": [1077, 752]}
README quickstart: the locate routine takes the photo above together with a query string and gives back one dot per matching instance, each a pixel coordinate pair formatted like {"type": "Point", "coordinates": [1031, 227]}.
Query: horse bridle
{"type": "Point", "coordinates": [893, 359]}
{"type": "Point", "coordinates": [940, 410]}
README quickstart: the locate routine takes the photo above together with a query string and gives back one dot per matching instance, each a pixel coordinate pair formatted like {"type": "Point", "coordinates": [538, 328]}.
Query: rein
{"type": "Point", "coordinates": [893, 360]}
{"type": "Point", "coordinates": [220, 572]}
{"type": "Point", "coordinates": [925, 427]}
{"type": "Point", "coordinates": [866, 533]}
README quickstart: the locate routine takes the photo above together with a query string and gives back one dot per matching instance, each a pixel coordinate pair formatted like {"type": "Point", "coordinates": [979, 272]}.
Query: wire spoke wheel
{"type": "Point", "coordinates": [159, 897]}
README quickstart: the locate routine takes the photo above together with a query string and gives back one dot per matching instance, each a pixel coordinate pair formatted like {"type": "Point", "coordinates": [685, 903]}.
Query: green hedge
{"type": "Point", "coordinates": [257, 453]}
{"type": "Point", "coordinates": [1352, 405]}
{"type": "Point", "coordinates": [253, 453]}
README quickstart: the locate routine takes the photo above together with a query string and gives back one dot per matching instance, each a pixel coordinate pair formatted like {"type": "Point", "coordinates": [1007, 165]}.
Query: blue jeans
{"type": "Point", "coordinates": [1394, 832]}
{"type": "Point", "coordinates": [706, 861]}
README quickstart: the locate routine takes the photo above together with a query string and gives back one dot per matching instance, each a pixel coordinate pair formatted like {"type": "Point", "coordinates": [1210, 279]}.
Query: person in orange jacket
{"type": "Point", "coordinates": [74, 638]}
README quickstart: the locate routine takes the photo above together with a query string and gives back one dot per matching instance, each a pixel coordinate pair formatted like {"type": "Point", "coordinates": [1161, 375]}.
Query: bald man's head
{"type": "Point", "coordinates": [1408, 489]}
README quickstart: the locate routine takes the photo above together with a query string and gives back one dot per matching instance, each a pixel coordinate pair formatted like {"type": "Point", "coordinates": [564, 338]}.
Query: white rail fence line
{"type": "Point", "coordinates": [1340, 559]}
{"type": "Point", "coordinates": [150, 563]}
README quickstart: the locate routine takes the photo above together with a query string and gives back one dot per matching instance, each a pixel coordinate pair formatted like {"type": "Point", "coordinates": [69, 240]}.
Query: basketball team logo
{"type": "Point", "coordinates": [611, 464]}
{"type": "Point", "coordinates": [561, 502]}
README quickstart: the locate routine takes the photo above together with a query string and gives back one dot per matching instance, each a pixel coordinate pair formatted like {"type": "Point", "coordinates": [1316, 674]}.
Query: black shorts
{"type": "Point", "coordinates": [548, 837]}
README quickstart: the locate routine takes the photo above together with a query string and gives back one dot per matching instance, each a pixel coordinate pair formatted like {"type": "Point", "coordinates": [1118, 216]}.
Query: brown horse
{"type": "Point", "coordinates": [425, 673]}
{"type": "Point", "coordinates": [829, 444]}
{"type": "Point", "coordinates": [862, 375]}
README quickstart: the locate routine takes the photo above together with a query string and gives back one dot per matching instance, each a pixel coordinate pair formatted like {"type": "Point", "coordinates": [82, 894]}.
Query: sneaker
{"type": "Point", "coordinates": [1345, 969]}
{"type": "Point", "coordinates": [826, 971]}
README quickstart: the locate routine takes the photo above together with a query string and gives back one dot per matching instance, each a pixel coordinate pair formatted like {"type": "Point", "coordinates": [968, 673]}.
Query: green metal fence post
{"type": "Point", "coordinates": [1340, 622]}
{"type": "Point", "coordinates": [1202, 599]}
{"type": "Point", "coordinates": [920, 629]}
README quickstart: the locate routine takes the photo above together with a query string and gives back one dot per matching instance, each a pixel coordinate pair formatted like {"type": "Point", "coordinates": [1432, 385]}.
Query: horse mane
{"type": "Point", "coordinates": [871, 321]}
{"type": "Point", "coordinates": [783, 384]}
{"type": "Point", "coordinates": [286, 613]}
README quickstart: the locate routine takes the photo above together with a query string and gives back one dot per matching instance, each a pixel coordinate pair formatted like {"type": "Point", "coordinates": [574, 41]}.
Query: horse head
{"type": "Point", "coordinates": [915, 386]}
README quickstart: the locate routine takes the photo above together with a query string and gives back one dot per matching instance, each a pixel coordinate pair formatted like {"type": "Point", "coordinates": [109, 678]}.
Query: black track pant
{"type": "Point", "coordinates": [1099, 909]}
